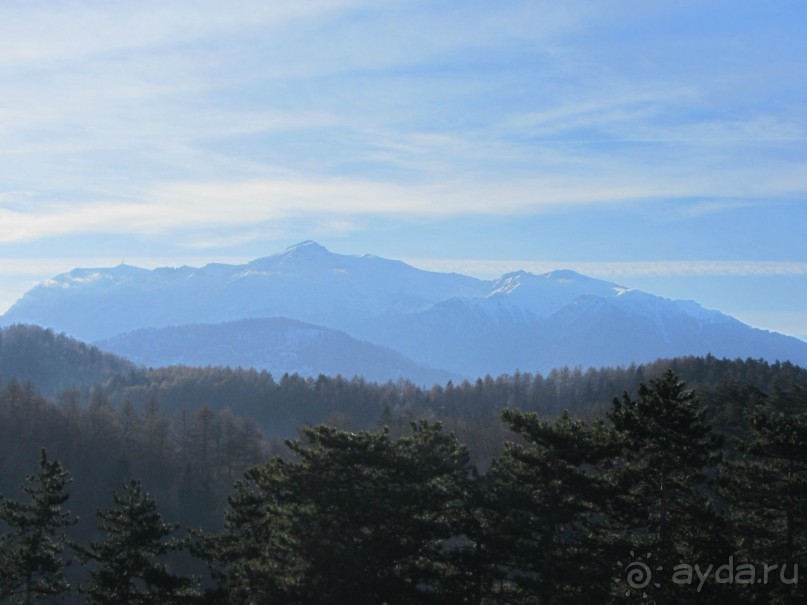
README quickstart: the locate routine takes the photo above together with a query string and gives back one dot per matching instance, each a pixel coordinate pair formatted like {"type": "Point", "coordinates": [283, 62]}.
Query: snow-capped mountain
{"type": "Point", "coordinates": [543, 295]}
{"type": "Point", "coordinates": [452, 322]}
{"type": "Point", "coordinates": [305, 282]}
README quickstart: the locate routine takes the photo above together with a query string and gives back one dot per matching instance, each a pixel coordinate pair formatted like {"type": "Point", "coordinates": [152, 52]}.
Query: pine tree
{"type": "Point", "coordinates": [356, 518]}
{"type": "Point", "coordinates": [666, 470]}
{"type": "Point", "coordinates": [9, 567]}
{"type": "Point", "coordinates": [128, 569]}
{"type": "Point", "coordinates": [255, 559]}
{"type": "Point", "coordinates": [32, 559]}
{"type": "Point", "coordinates": [541, 503]}
{"type": "Point", "coordinates": [766, 489]}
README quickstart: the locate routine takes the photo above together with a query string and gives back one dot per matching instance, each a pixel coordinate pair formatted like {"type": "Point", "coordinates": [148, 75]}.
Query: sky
{"type": "Point", "coordinates": [660, 145]}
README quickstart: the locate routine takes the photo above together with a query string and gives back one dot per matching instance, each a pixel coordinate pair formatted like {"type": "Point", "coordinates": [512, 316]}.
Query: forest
{"type": "Point", "coordinates": [681, 481]}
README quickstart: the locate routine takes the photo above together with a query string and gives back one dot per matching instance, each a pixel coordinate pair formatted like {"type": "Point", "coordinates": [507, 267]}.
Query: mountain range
{"type": "Point", "coordinates": [313, 311]}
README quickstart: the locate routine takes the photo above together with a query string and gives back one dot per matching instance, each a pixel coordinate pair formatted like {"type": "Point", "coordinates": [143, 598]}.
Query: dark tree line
{"type": "Point", "coordinates": [189, 458]}
{"type": "Point", "coordinates": [409, 520]}
{"type": "Point", "coordinates": [62, 367]}
{"type": "Point", "coordinates": [469, 408]}
{"type": "Point", "coordinates": [565, 514]}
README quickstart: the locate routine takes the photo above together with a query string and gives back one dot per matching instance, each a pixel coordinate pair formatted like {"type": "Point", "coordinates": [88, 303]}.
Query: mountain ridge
{"type": "Point", "coordinates": [461, 324]}
{"type": "Point", "coordinates": [277, 345]}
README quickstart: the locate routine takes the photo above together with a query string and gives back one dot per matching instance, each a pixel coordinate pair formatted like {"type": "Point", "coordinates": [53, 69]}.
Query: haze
{"type": "Point", "coordinates": [662, 146]}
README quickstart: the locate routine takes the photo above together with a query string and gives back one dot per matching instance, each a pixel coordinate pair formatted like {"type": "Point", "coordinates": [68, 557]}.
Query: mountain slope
{"type": "Point", "coordinates": [543, 295]}
{"type": "Point", "coordinates": [464, 325]}
{"type": "Point", "coordinates": [305, 282]}
{"type": "Point", "coordinates": [278, 345]}
{"type": "Point", "coordinates": [480, 336]}
{"type": "Point", "coordinates": [54, 362]}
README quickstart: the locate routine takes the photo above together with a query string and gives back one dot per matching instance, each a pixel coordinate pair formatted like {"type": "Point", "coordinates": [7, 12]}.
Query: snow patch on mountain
{"type": "Point", "coordinates": [445, 320]}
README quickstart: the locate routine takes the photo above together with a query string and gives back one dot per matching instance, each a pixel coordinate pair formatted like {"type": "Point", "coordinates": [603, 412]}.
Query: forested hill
{"type": "Point", "coordinates": [54, 362]}
{"type": "Point", "coordinates": [190, 433]}
{"type": "Point", "coordinates": [281, 404]}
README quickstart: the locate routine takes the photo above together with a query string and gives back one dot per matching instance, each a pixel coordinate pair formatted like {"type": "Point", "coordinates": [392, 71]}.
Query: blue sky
{"type": "Point", "coordinates": [662, 145]}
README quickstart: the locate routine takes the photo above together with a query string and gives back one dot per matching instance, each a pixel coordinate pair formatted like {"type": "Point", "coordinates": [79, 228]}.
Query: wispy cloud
{"type": "Point", "coordinates": [215, 126]}
{"type": "Point", "coordinates": [65, 32]}
{"type": "Point", "coordinates": [183, 207]}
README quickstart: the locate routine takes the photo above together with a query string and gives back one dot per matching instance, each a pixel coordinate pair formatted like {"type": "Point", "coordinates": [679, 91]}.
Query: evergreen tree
{"type": "Point", "coordinates": [766, 489]}
{"type": "Point", "coordinates": [666, 472]}
{"type": "Point", "coordinates": [129, 571]}
{"type": "Point", "coordinates": [255, 560]}
{"type": "Point", "coordinates": [356, 518]}
{"type": "Point", "coordinates": [31, 559]}
{"type": "Point", "coordinates": [543, 503]}
{"type": "Point", "coordinates": [9, 567]}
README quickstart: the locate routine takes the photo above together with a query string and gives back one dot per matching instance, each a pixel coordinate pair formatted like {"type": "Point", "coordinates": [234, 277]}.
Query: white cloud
{"type": "Point", "coordinates": [618, 108]}
{"type": "Point", "coordinates": [194, 207]}
{"type": "Point", "coordinates": [132, 118]}
{"type": "Point", "coordinates": [68, 31]}
{"type": "Point", "coordinates": [182, 207]}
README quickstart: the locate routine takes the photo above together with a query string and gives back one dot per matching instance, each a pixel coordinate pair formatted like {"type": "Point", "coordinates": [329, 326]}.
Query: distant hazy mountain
{"type": "Point", "coordinates": [457, 323]}
{"type": "Point", "coordinates": [553, 324]}
{"type": "Point", "coordinates": [305, 282]}
{"type": "Point", "coordinates": [278, 345]}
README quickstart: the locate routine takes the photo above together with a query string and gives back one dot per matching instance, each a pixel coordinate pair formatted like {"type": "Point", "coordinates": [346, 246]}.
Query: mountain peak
{"type": "Point", "coordinates": [308, 246]}
{"type": "Point", "coordinates": [564, 275]}
{"type": "Point", "coordinates": [305, 253]}
{"type": "Point", "coordinates": [307, 250]}
{"type": "Point", "coordinates": [460, 323]}
{"type": "Point", "coordinates": [508, 282]}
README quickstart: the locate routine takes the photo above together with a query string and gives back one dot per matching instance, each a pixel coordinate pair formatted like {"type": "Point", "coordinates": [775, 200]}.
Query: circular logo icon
{"type": "Point", "coordinates": [637, 575]}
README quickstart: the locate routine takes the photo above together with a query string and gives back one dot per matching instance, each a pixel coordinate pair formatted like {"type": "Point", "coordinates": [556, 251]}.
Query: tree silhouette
{"type": "Point", "coordinates": [129, 570]}
{"type": "Point", "coordinates": [31, 557]}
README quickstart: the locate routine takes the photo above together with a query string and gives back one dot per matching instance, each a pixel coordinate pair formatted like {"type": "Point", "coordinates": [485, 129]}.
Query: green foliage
{"type": "Point", "coordinates": [32, 559]}
{"type": "Point", "coordinates": [766, 488]}
{"type": "Point", "coordinates": [399, 515]}
{"type": "Point", "coordinates": [665, 471]}
{"type": "Point", "coordinates": [543, 501]}
{"type": "Point", "coordinates": [356, 517]}
{"type": "Point", "coordinates": [189, 460]}
{"type": "Point", "coordinates": [253, 560]}
{"type": "Point", "coordinates": [129, 568]}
